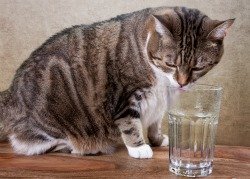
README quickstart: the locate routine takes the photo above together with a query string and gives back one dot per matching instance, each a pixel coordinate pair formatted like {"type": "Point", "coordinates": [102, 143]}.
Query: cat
{"type": "Point", "coordinates": [89, 86]}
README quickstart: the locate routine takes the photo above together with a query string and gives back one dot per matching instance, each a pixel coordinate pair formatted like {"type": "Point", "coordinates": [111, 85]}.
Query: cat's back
{"type": "Point", "coordinates": [105, 33]}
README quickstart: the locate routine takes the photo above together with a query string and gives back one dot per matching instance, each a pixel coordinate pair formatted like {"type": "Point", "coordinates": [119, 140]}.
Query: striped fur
{"type": "Point", "coordinates": [90, 84]}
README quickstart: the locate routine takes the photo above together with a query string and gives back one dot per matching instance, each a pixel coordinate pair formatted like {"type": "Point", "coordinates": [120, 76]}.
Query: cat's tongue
{"type": "Point", "coordinates": [185, 88]}
{"type": "Point", "coordinates": [182, 89]}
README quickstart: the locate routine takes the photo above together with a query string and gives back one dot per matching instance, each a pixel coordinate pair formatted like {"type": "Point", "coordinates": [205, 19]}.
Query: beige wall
{"type": "Point", "coordinates": [26, 24]}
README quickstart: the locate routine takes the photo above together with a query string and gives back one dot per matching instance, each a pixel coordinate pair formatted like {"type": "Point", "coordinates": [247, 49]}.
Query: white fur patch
{"type": "Point", "coordinates": [159, 28]}
{"type": "Point", "coordinates": [173, 83]}
{"type": "Point", "coordinates": [165, 141]}
{"type": "Point", "coordinates": [21, 147]}
{"type": "Point", "coordinates": [143, 151]}
{"type": "Point", "coordinates": [155, 104]}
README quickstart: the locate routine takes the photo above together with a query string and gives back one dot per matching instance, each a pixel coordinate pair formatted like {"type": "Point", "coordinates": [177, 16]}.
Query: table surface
{"type": "Point", "coordinates": [229, 162]}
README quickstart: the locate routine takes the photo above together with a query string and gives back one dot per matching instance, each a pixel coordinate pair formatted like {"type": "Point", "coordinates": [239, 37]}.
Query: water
{"type": "Point", "coordinates": [191, 146]}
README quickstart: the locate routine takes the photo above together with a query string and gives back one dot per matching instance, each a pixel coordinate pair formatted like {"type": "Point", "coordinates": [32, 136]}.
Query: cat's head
{"type": "Point", "coordinates": [185, 44]}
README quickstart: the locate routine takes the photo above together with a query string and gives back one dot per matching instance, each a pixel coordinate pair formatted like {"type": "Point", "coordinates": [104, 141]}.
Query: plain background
{"type": "Point", "coordinates": [26, 24]}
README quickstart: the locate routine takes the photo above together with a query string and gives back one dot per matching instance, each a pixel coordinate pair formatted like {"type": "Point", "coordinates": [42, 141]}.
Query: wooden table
{"type": "Point", "coordinates": [230, 162]}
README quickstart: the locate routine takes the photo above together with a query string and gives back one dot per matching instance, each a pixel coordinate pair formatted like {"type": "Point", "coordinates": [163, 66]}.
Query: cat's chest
{"type": "Point", "coordinates": [154, 105]}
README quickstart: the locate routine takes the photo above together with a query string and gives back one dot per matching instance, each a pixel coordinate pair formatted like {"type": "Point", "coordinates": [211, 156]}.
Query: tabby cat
{"type": "Point", "coordinates": [89, 85]}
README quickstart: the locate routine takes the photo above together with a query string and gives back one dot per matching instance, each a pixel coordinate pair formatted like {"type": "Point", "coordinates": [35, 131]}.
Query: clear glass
{"type": "Point", "coordinates": [193, 119]}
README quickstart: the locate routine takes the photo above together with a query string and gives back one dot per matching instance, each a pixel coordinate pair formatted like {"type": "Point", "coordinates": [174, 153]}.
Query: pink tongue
{"type": "Point", "coordinates": [182, 89]}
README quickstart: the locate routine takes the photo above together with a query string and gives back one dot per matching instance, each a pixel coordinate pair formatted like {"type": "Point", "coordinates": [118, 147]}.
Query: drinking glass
{"type": "Point", "coordinates": [193, 119]}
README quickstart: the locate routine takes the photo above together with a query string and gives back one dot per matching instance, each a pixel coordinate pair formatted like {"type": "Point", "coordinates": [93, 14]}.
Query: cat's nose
{"type": "Point", "coordinates": [182, 80]}
{"type": "Point", "coordinates": [182, 84]}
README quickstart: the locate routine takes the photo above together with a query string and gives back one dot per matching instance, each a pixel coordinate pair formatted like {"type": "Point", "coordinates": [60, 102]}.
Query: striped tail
{"type": "Point", "coordinates": [3, 100]}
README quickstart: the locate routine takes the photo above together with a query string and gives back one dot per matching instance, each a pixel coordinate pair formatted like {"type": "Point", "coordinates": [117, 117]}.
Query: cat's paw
{"type": "Point", "coordinates": [143, 151]}
{"type": "Point", "coordinates": [165, 141]}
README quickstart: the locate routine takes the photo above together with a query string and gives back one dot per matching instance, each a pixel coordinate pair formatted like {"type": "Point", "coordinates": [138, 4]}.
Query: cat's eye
{"type": "Point", "coordinates": [169, 62]}
{"type": "Point", "coordinates": [156, 58]}
{"type": "Point", "coordinates": [198, 68]}
{"type": "Point", "coordinates": [171, 65]}
{"type": "Point", "coordinates": [169, 56]}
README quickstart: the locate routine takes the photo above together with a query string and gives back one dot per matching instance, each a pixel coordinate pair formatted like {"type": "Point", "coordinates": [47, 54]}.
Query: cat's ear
{"type": "Point", "coordinates": [220, 30]}
{"type": "Point", "coordinates": [157, 31]}
{"type": "Point", "coordinates": [162, 25]}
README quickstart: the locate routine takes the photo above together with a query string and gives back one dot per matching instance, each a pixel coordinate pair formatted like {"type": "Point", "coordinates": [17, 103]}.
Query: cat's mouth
{"type": "Point", "coordinates": [183, 88]}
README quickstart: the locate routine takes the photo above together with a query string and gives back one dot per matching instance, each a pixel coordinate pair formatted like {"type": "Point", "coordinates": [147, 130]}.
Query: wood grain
{"type": "Point", "coordinates": [230, 162]}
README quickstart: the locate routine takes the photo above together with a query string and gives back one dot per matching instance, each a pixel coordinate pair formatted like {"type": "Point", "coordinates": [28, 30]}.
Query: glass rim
{"type": "Point", "coordinates": [204, 87]}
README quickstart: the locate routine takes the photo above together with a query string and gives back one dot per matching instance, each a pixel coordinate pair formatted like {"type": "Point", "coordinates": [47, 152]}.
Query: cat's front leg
{"type": "Point", "coordinates": [132, 135]}
{"type": "Point", "coordinates": [130, 126]}
{"type": "Point", "coordinates": [155, 136]}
